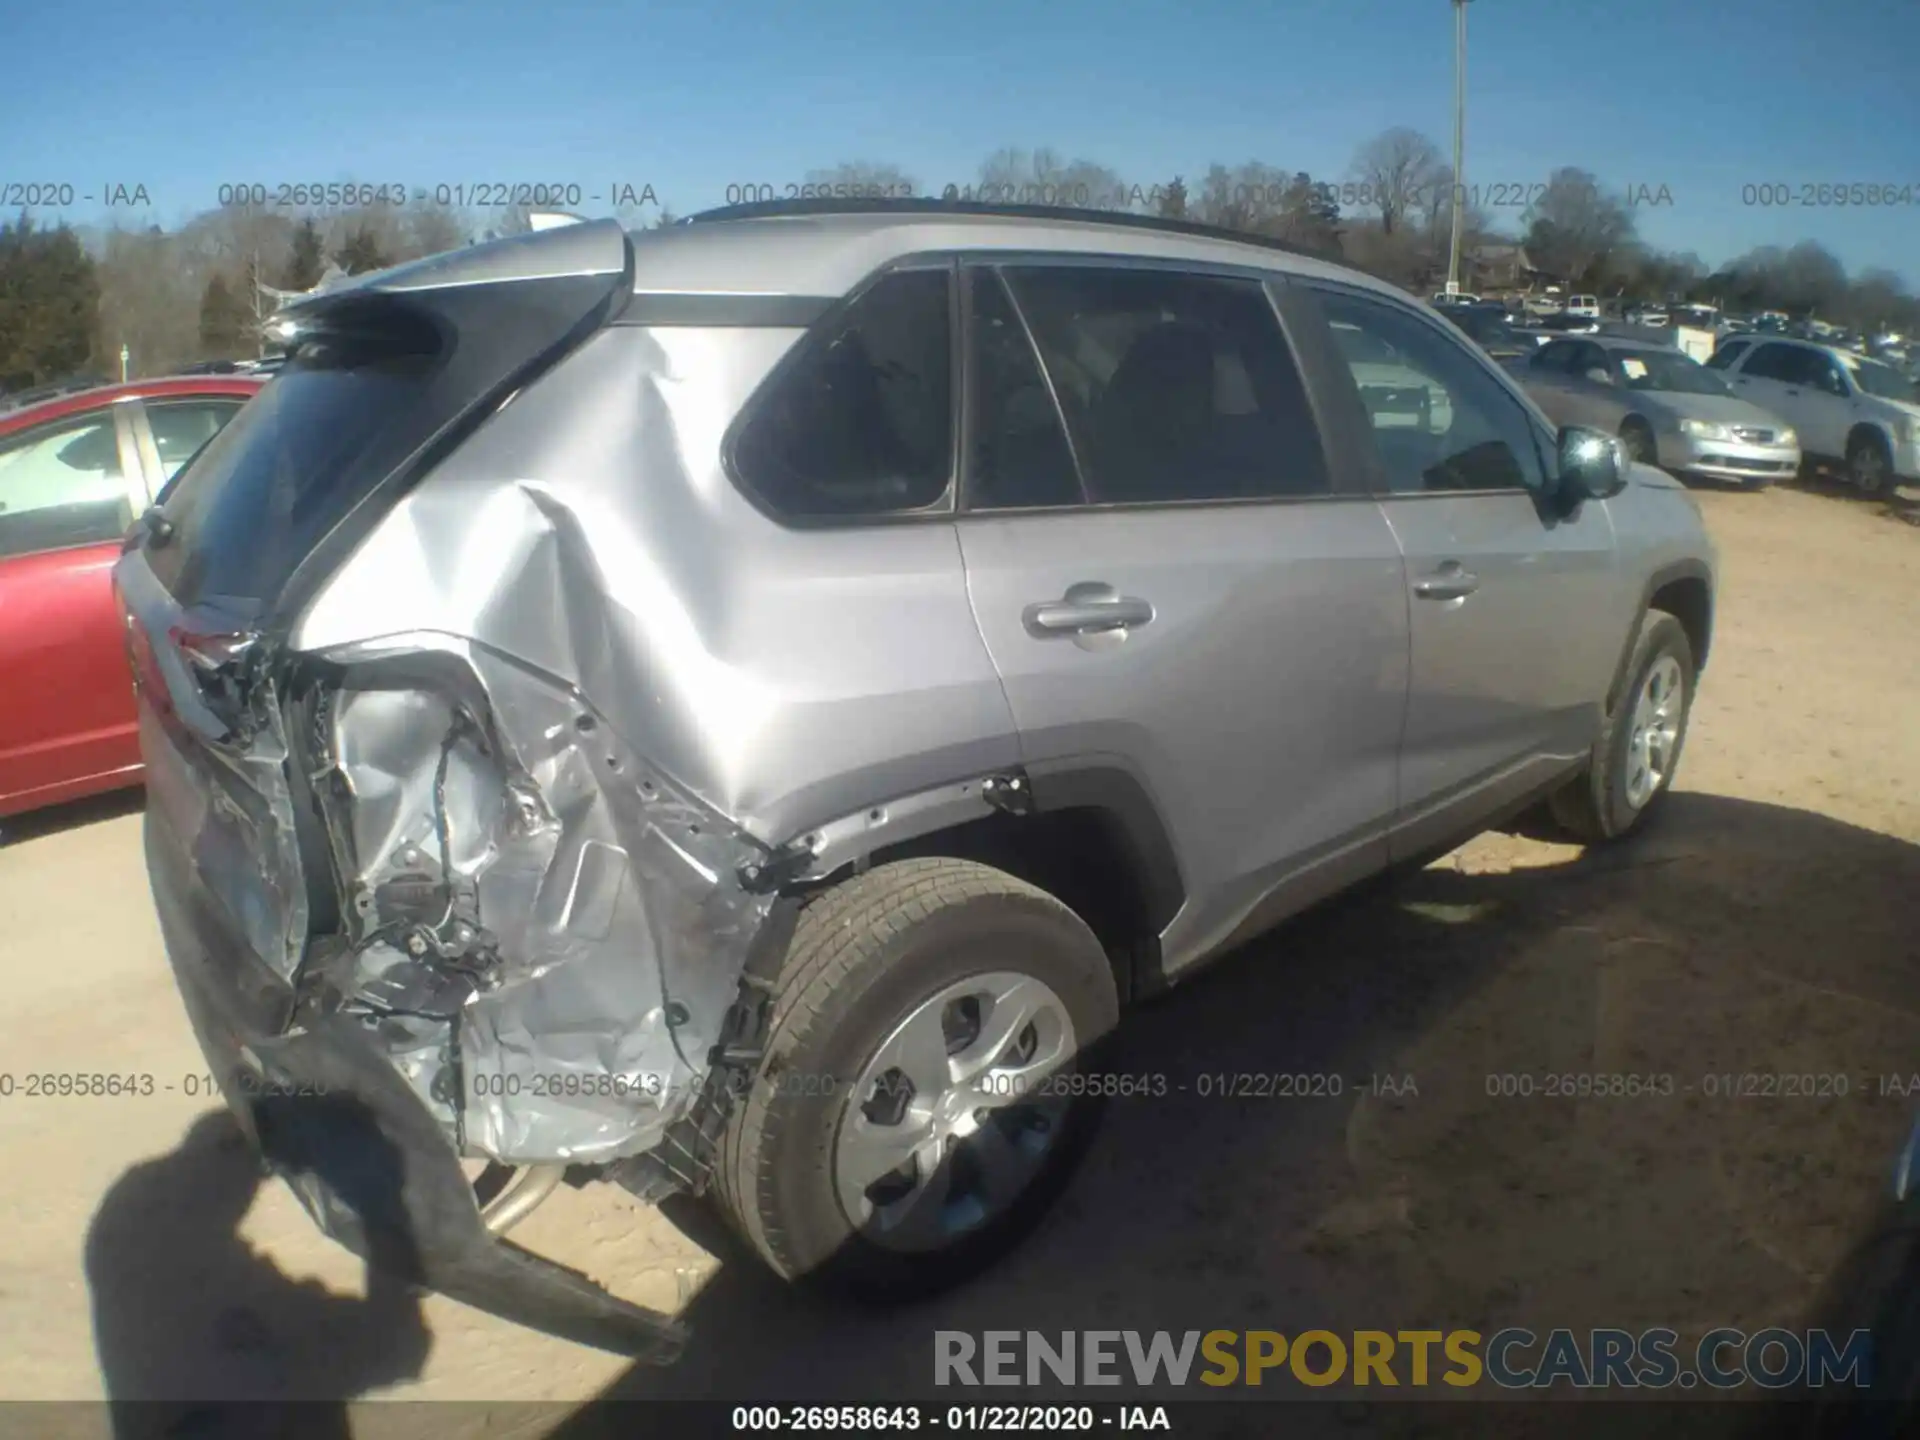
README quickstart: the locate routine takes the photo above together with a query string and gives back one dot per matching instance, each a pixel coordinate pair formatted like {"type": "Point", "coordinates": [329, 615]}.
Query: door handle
{"type": "Point", "coordinates": [1087, 609]}
{"type": "Point", "coordinates": [1451, 581]}
{"type": "Point", "coordinates": [1792, 391]}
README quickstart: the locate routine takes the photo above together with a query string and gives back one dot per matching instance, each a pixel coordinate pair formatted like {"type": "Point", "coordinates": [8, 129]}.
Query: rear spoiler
{"type": "Point", "coordinates": [581, 250]}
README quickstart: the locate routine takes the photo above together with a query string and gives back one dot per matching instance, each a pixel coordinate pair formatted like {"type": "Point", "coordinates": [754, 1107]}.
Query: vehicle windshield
{"type": "Point", "coordinates": [1884, 382]}
{"type": "Point", "coordinates": [1671, 371]}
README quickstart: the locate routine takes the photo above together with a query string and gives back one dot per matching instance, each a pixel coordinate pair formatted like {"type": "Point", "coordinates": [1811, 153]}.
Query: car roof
{"type": "Point", "coordinates": [165, 387]}
{"type": "Point", "coordinates": [827, 251]}
{"type": "Point", "coordinates": [1624, 345]}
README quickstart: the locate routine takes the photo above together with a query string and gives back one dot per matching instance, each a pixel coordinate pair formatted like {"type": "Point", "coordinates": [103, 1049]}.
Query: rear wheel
{"type": "Point", "coordinates": [1634, 759]}
{"type": "Point", "coordinates": [915, 1111]}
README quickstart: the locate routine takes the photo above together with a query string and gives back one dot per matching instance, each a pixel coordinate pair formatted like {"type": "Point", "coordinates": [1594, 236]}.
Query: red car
{"type": "Point", "coordinates": [75, 472]}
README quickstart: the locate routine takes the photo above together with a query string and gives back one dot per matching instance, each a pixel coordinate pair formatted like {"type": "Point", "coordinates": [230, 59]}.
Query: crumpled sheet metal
{"type": "Point", "coordinates": [245, 848]}
{"type": "Point", "coordinates": [588, 922]}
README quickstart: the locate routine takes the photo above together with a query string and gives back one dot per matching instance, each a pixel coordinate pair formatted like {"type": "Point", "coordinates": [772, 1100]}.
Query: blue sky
{"type": "Point", "coordinates": [1702, 97]}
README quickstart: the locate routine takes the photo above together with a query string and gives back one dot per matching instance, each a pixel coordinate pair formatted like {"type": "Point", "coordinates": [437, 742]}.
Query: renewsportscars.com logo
{"type": "Point", "coordinates": [1511, 1359]}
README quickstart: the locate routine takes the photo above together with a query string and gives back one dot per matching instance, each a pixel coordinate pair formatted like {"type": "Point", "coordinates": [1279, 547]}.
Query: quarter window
{"type": "Point", "coordinates": [62, 486]}
{"type": "Point", "coordinates": [1174, 386]}
{"type": "Point", "coordinates": [1440, 421]}
{"type": "Point", "coordinates": [862, 421]}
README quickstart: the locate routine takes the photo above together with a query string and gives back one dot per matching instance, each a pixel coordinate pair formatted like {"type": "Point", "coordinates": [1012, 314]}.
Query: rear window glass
{"type": "Point", "coordinates": [267, 489]}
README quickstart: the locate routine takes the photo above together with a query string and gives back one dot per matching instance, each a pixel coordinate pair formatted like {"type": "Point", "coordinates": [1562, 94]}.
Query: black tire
{"type": "Point", "coordinates": [1594, 806]}
{"type": "Point", "coordinates": [1862, 447]}
{"type": "Point", "coordinates": [1637, 436]}
{"type": "Point", "coordinates": [862, 956]}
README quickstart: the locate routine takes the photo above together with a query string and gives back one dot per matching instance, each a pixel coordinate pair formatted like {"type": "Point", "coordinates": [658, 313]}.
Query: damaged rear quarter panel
{"type": "Point", "coordinates": [542, 931]}
{"type": "Point", "coordinates": [585, 555]}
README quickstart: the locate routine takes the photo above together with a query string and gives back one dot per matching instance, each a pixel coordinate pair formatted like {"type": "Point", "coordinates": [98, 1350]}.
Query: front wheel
{"type": "Point", "coordinates": [1634, 759]}
{"type": "Point", "coordinates": [915, 1112]}
{"type": "Point", "coordinates": [1869, 466]}
{"type": "Point", "coordinates": [1637, 436]}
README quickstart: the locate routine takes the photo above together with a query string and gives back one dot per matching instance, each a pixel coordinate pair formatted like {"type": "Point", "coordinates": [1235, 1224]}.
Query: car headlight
{"type": "Point", "coordinates": [1704, 430]}
{"type": "Point", "coordinates": [1785, 436]}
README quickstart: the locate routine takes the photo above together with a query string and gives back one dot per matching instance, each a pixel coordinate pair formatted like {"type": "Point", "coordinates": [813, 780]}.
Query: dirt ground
{"type": "Point", "coordinates": [1768, 925]}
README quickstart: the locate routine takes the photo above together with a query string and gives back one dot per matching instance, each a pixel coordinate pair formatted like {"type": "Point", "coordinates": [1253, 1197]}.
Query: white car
{"type": "Point", "coordinates": [1847, 409]}
{"type": "Point", "coordinates": [1587, 307]}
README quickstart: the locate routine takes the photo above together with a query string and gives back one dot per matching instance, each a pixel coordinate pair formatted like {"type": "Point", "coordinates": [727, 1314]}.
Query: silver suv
{"type": "Point", "coordinates": [741, 708]}
{"type": "Point", "coordinates": [1847, 409]}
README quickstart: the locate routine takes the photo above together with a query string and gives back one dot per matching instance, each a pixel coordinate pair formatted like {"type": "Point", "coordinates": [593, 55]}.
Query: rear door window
{"type": "Point", "coordinates": [1774, 361]}
{"type": "Point", "coordinates": [1017, 450]}
{"type": "Point", "coordinates": [1174, 386]}
{"type": "Point", "coordinates": [61, 485]}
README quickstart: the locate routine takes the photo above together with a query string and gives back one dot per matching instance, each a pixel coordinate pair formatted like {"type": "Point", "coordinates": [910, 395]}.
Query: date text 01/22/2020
{"type": "Point", "coordinates": [901, 1419]}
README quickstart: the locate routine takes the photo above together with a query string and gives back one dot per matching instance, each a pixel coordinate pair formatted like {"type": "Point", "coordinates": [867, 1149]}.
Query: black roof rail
{"type": "Point", "coordinates": [1122, 219]}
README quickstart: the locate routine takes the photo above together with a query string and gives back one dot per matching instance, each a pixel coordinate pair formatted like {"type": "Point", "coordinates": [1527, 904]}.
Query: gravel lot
{"type": "Point", "coordinates": [1771, 924]}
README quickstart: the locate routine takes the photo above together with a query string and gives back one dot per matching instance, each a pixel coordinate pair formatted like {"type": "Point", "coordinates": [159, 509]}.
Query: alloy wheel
{"type": "Point", "coordinates": [951, 1118]}
{"type": "Point", "coordinates": [1657, 714]}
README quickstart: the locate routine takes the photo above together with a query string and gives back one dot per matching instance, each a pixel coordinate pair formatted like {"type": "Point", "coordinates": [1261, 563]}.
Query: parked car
{"type": "Point", "coordinates": [74, 472]}
{"type": "Point", "coordinates": [1667, 409]}
{"type": "Point", "coordinates": [1490, 330]}
{"type": "Point", "coordinates": [1848, 410]}
{"type": "Point", "coordinates": [1585, 306]}
{"type": "Point", "coordinates": [34, 395]}
{"type": "Point", "coordinates": [691, 774]}
{"type": "Point", "coordinates": [1458, 299]}
{"type": "Point", "coordinates": [1651, 318]}
{"type": "Point", "coordinates": [1568, 323]}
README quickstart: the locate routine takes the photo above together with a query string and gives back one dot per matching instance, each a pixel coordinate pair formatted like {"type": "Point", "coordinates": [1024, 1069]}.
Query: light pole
{"type": "Point", "coordinates": [1459, 139]}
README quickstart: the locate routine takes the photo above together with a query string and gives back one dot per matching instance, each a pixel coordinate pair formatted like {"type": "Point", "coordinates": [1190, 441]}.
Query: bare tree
{"type": "Point", "coordinates": [1250, 197]}
{"type": "Point", "coordinates": [1041, 177]}
{"type": "Point", "coordinates": [147, 301]}
{"type": "Point", "coordinates": [1575, 225]}
{"type": "Point", "coordinates": [1399, 173]}
{"type": "Point", "coordinates": [428, 229]}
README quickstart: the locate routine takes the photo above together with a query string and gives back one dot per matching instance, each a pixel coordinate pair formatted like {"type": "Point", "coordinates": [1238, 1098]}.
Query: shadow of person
{"type": "Point", "coordinates": [1731, 937]}
{"type": "Point", "coordinates": [194, 1328]}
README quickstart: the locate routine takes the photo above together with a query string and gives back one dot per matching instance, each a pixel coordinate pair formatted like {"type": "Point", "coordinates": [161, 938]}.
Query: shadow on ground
{"type": "Point", "coordinates": [194, 1327]}
{"type": "Point", "coordinates": [1733, 939]}
{"type": "Point", "coordinates": [73, 815]}
{"type": "Point", "coordinates": [1444, 1186]}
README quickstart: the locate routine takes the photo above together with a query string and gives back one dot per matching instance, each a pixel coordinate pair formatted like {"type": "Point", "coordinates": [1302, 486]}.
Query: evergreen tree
{"type": "Point", "coordinates": [49, 300]}
{"type": "Point", "coordinates": [223, 320]}
{"type": "Point", "coordinates": [361, 253]}
{"type": "Point", "coordinates": [308, 260]}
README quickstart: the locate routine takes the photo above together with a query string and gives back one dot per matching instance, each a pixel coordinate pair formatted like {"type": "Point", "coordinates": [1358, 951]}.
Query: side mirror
{"type": "Point", "coordinates": [1599, 376]}
{"type": "Point", "coordinates": [1592, 466]}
